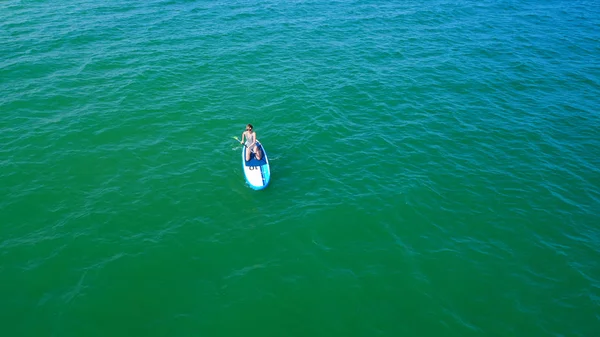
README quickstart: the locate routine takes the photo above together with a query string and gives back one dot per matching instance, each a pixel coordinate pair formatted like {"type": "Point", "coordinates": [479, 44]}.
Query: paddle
{"type": "Point", "coordinates": [239, 141]}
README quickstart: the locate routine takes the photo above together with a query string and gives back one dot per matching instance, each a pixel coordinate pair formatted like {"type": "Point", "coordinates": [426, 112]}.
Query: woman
{"type": "Point", "coordinates": [251, 143]}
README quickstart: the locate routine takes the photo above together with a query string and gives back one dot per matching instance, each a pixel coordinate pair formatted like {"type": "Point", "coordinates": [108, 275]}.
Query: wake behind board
{"type": "Point", "coordinates": [257, 172]}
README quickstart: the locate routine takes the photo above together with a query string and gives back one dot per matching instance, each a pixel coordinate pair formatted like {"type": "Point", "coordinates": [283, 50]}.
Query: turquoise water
{"type": "Point", "coordinates": [435, 168]}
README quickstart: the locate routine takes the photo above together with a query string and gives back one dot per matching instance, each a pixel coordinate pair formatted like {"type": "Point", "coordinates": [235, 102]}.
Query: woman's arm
{"type": "Point", "coordinates": [242, 141]}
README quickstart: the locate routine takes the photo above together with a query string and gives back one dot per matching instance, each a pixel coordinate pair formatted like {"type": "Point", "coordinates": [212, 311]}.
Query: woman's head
{"type": "Point", "coordinates": [249, 127]}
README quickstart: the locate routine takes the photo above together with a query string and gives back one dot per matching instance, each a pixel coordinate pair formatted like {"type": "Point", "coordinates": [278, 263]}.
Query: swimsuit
{"type": "Point", "coordinates": [250, 140]}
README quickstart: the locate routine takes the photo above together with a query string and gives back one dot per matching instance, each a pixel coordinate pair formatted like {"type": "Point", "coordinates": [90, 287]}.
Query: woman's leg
{"type": "Point", "coordinates": [248, 151]}
{"type": "Point", "coordinates": [258, 153]}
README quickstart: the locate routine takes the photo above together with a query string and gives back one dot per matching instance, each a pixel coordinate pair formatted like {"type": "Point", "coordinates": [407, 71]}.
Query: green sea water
{"type": "Point", "coordinates": [435, 168]}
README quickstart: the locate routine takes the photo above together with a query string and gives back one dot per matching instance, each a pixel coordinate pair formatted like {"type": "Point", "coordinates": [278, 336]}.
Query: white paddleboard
{"type": "Point", "coordinates": [257, 172]}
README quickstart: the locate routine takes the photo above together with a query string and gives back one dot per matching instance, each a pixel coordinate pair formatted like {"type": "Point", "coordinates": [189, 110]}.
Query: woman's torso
{"type": "Point", "coordinates": [250, 137]}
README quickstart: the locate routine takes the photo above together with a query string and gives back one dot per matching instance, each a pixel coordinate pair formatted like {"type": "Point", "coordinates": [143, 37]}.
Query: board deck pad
{"type": "Point", "coordinates": [255, 162]}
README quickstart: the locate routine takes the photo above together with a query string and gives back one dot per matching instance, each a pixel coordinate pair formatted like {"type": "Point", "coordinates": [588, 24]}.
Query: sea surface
{"type": "Point", "coordinates": [435, 168]}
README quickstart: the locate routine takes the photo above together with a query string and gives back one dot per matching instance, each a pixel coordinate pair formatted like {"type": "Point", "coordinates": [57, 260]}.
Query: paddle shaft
{"type": "Point", "coordinates": [239, 141]}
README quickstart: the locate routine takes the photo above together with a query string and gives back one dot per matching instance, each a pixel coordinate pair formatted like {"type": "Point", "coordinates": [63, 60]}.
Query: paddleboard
{"type": "Point", "coordinates": [257, 172]}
